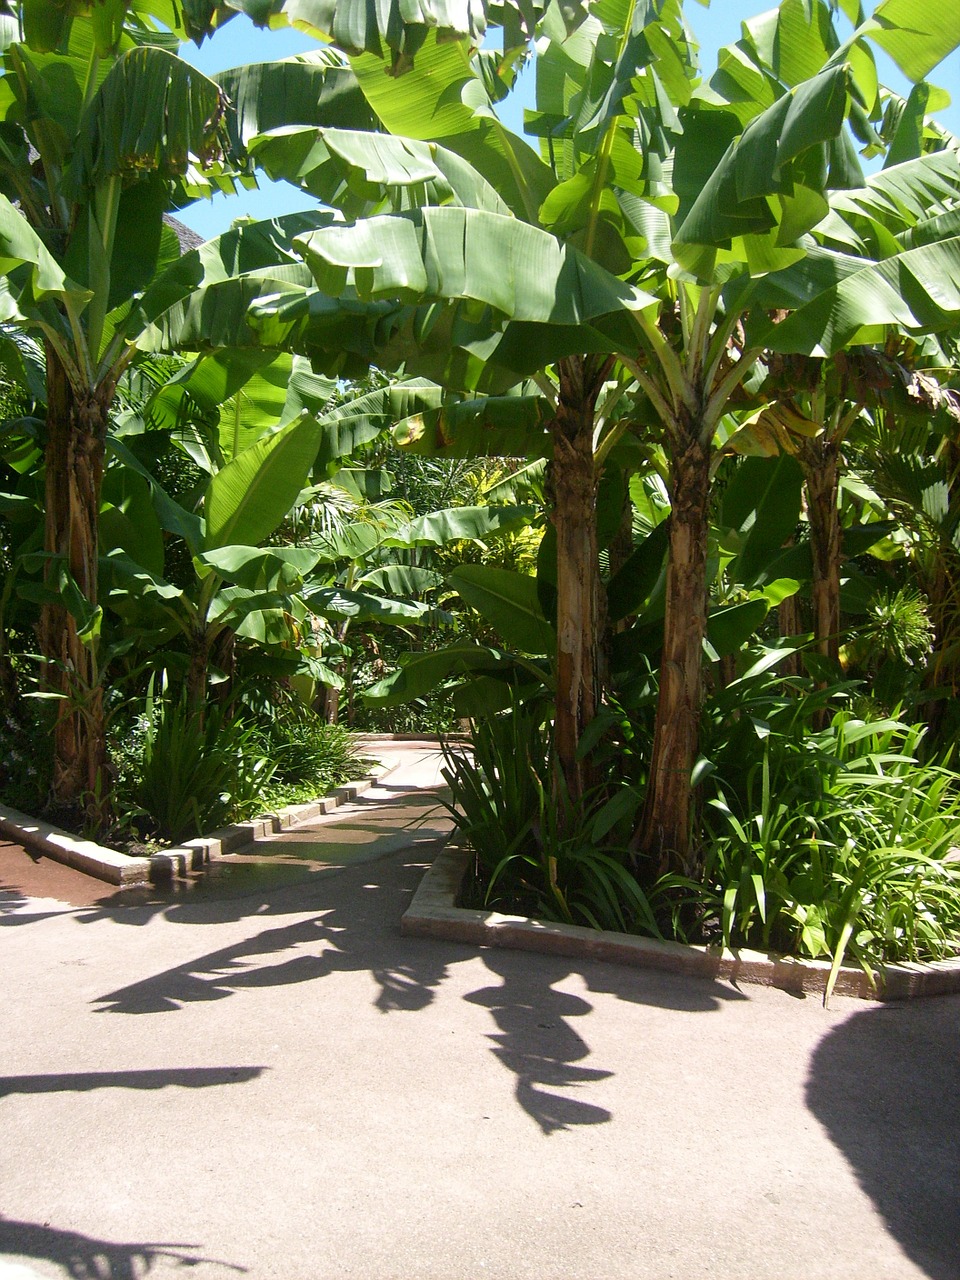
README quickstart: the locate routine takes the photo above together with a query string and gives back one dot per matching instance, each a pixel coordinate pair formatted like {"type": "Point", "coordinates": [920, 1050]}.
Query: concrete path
{"type": "Point", "coordinates": [259, 1077]}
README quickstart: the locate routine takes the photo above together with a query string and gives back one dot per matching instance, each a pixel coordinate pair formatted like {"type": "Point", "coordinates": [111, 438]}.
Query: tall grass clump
{"type": "Point", "coordinates": [841, 843]}
{"type": "Point", "coordinates": [308, 756]}
{"type": "Point", "coordinates": [198, 770]}
{"type": "Point", "coordinates": [533, 848]}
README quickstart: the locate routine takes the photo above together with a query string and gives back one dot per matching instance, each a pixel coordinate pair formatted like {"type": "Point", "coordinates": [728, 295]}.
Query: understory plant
{"type": "Point", "coordinates": [199, 769]}
{"type": "Point", "coordinates": [308, 756]}
{"type": "Point", "coordinates": [841, 844]}
{"type": "Point", "coordinates": [534, 848]}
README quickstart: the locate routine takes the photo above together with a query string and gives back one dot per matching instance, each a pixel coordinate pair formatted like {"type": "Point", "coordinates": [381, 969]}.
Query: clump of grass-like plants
{"type": "Point", "coordinates": [843, 845]}
{"type": "Point", "coordinates": [534, 849]}
{"type": "Point", "coordinates": [199, 769]}
{"type": "Point", "coordinates": [309, 756]}
{"type": "Point", "coordinates": [840, 843]}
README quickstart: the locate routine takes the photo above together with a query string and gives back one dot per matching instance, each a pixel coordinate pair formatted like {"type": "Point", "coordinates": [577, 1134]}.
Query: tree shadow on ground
{"type": "Point", "coordinates": [85, 1258]}
{"type": "Point", "coordinates": [159, 1078]}
{"type": "Point", "coordinates": [353, 926]}
{"type": "Point", "coordinates": [536, 1041]}
{"type": "Point", "coordinates": [885, 1084]}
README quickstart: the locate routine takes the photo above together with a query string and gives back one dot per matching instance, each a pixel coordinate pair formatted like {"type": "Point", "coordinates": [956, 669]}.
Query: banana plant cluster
{"type": "Point", "coordinates": [613, 293]}
{"type": "Point", "coordinates": [670, 234]}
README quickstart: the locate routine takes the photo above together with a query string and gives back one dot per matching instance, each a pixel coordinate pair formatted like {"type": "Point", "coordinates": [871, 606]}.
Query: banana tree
{"type": "Point", "coordinates": [913, 469]}
{"type": "Point", "coordinates": [105, 130]}
{"type": "Point", "coordinates": [471, 159]}
{"type": "Point", "coordinates": [445, 318]}
{"type": "Point", "coordinates": [754, 198]}
{"type": "Point", "coordinates": [898, 207]}
{"type": "Point", "coordinates": [66, 93]}
{"type": "Point", "coordinates": [607, 136]}
{"type": "Point", "coordinates": [745, 209]}
{"type": "Point", "coordinates": [454, 340]}
{"type": "Point", "coordinates": [258, 424]}
{"type": "Point", "coordinates": [571, 190]}
{"type": "Point", "coordinates": [815, 407]}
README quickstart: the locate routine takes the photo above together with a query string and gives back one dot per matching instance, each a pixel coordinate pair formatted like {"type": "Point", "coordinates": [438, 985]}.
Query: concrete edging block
{"type": "Point", "coordinates": [83, 855]}
{"type": "Point", "coordinates": [434, 913]}
{"type": "Point", "coordinates": [127, 871]}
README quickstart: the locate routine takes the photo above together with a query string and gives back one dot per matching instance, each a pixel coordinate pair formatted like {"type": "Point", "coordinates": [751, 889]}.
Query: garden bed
{"type": "Point", "coordinates": [435, 913]}
{"type": "Point", "coordinates": [126, 871]}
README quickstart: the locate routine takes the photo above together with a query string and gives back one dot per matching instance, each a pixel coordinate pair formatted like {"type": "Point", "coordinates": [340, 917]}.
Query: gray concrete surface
{"type": "Point", "coordinates": [258, 1076]}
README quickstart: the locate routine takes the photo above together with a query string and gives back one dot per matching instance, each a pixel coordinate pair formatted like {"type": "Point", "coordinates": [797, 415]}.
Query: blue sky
{"type": "Point", "coordinates": [240, 42]}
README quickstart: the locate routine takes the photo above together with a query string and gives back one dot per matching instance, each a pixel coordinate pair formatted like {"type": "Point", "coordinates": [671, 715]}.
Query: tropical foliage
{"type": "Point", "coordinates": [703, 332]}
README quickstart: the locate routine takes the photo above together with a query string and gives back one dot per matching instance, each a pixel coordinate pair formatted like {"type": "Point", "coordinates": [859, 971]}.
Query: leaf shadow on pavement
{"type": "Point", "coordinates": [537, 1042]}
{"type": "Point", "coordinates": [84, 1257]}
{"type": "Point", "coordinates": [157, 1078]}
{"type": "Point", "coordinates": [353, 926]}
{"type": "Point", "coordinates": [884, 1084]}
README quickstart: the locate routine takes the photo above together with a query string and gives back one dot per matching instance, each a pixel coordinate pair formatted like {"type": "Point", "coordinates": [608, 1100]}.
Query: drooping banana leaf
{"type": "Point", "coordinates": [508, 600]}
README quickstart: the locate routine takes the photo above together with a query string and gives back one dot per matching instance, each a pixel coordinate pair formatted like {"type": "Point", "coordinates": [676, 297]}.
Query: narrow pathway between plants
{"type": "Point", "coordinates": [403, 810]}
{"type": "Point", "coordinates": [263, 1079]}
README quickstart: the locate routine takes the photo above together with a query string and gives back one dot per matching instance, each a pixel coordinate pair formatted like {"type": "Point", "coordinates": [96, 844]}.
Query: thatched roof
{"type": "Point", "coordinates": [188, 238]}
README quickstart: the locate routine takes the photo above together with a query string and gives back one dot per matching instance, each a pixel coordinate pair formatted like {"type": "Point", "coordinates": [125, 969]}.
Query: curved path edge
{"type": "Point", "coordinates": [434, 913]}
{"type": "Point", "coordinates": [127, 871]}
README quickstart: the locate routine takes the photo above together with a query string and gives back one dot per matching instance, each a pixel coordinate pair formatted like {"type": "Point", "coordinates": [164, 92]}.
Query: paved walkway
{"type": "Point", "coordinates": [257, 1076]}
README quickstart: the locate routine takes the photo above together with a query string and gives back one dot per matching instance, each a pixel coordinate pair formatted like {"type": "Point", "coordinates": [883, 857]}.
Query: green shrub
{"type": "Point", "coordinates": [838, 842]}
{"type": "Point", "coordinates": [841, 845]}
{"type": "Point", "coordinates": [534, 848]}
{"type": "Point", "coordinates": [198, 772]}
{"type": "Point", "coordinates": [304, 748]}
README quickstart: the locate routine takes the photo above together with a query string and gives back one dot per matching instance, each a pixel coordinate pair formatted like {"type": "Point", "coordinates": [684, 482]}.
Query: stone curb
{"type": "Point", "coordinates": [126, 871]}
{"type": "Point", "coordinates": [83, 855]}
{"type": "Point", "coordinates": [433, 913]}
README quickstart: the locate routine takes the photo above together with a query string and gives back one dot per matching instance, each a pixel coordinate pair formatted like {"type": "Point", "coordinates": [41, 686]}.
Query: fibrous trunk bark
{"type": "Point", "coordinates": [789, 623]}
{"type": "Point", "coordinates": [574, 479]}
{"type": "Point", "coordinates": [76, 433]}
{"type": "Point", "coordinates": [196, 680]}
{"type": "Point", "coordinates": [618, 553]}
{"type": "Point", "coordinates": [820, 461]}
{"type": "Point", "coordinates": [664, 834]}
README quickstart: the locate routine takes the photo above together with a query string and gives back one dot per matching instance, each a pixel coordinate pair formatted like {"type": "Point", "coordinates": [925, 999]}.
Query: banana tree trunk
{"type": "Point", "coordinates": [664, 834]}
{"type": "Point", "coordinates": [618, 553]}
{"type": "Point", "coordinates": [76, 432]}
{"type": "Point", "coordinates": [223, 656]}
{"type": "Point", "coordinates": [331, 704]}
{"type": "Point", "coordinates": [820, 462]}
{"type": "Point", "coordinates": [573, 476]}
{"type": "Point", "coordinates": [201, 642]}
{"type": "Point", "coordinates": [789, 623]}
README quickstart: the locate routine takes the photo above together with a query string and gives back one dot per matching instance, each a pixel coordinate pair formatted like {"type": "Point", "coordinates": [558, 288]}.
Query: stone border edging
{"type": "Point", "coordinates": [127, 872]}
{"type": "Point", "coordinates": [433, 913]}
{"type": "Point", "coordinates": [83, 855]}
